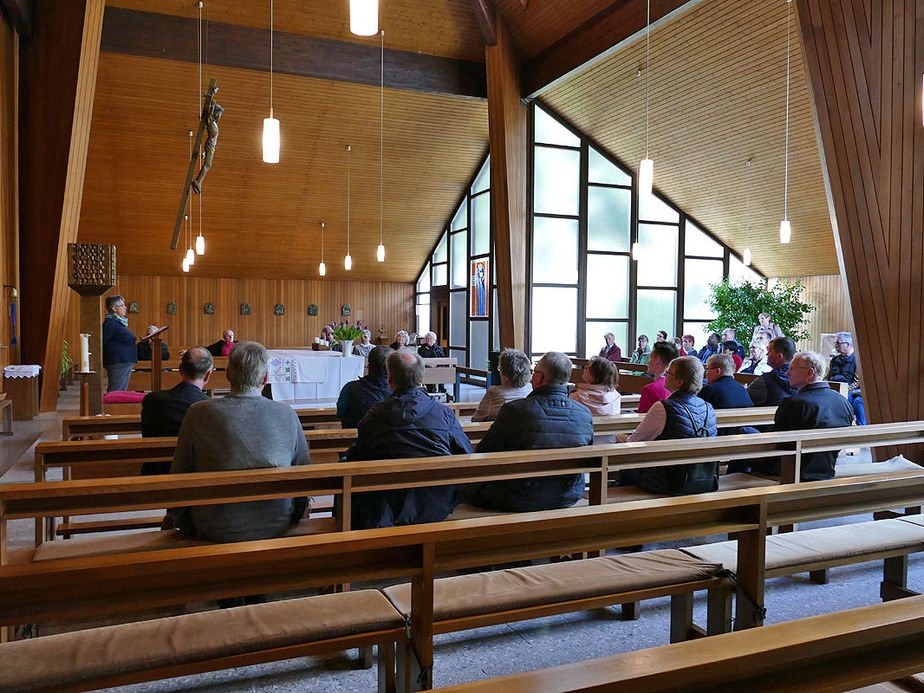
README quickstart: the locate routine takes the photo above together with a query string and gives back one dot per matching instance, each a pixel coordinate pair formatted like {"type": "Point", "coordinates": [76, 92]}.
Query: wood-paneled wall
{"type": "Point", "coordinates": [9, 248]}
{"type": "Point", "coordinates": [379, 304]}
{"type": "Point", "coordinates": [831, 311]}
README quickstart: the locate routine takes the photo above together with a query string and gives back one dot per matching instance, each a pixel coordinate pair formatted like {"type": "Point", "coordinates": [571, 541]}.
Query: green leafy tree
{"type": "Point", "coordinates": [739, 305]}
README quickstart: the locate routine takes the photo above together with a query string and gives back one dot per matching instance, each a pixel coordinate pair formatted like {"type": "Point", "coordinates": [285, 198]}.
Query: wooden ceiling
{"type": "Point", "coordinates": [718, 80]}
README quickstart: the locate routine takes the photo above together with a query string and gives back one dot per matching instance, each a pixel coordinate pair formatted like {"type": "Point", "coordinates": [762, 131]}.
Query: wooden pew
{"type": "Point", "coordinates": [142, 378]}
{"type": "Point", "coordinates": [841, 651]}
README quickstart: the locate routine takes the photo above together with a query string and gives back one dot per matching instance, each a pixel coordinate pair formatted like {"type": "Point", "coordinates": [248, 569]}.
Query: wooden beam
{"type": "Point", "coordinates": [58, 85]}
{"type": "Point", "coordinates": [153, 35]}
{"type": "Point", "coordinates": [508, 144]}
{"type": "Point", "coordinates": [864, 72]}
{"type": "Point", "coordinates": [605, 31]}
{"type": "Point", "coordinates": [484, 13]}
{"type": "Point", "coordinates": [19, 13]}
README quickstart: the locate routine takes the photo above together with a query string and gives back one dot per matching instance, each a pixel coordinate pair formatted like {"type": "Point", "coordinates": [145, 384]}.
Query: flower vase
{"type": "Point", "coordinates": [347, 346]}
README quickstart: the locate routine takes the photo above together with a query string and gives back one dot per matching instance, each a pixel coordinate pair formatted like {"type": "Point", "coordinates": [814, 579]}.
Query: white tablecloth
{"type": "Point", "coordinates": [25, 371]}
{"type": "Point", "coordinates": [303, 374]}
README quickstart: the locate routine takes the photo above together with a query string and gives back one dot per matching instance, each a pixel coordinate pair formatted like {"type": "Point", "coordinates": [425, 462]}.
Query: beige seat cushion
{"type": "Point", "coordinates": [823, 544]}
{"type": "Point", "coordinates": [739, 480]}
{"type": "Point", "coordinates": [499, 590]}
{"type": "Point", "coordinates": [914, 519]}
{"type": "Point", "coordinates": [896, 464]}
{"type": "Point", "coordinates": [464, 511]}
{"type": "Point", "coordinates": [85, 655]}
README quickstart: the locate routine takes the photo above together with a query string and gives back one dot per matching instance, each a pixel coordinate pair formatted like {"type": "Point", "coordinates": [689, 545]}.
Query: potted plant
{"type": "Point", "coordinates": [346, 334]}
{"type": "Point", "coordinates": [739, 305]}
{"type": "Point", "coordinates": [66, 364]}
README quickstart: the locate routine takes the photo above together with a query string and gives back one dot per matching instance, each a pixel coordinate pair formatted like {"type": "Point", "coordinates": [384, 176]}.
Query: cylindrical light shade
{"type": "Point", "coordinates": [364, 17]}
{"type": "Point", "coordinates": [380, 253]}
{"type": "Point", "coordinates": [270, 140]}
{"type": "Point", "coordinates": [185, 264]}
{"type": "Point", "coordinates": [785, 231]}
{"type": "Point", "coordinates": [322, 269]}
{"type": "Point", "coordinates": [636, 250]}
{"type": "Point", "coordinates": [645, 176]}
{"type": "Point", "coordinates": [200, 245]}
{"type": "Point", "coordinates": [348, 262]}
{"type": "Point", "coordinates": [190, 257]}
{"type": "Point", "coordinates": [746, 257]}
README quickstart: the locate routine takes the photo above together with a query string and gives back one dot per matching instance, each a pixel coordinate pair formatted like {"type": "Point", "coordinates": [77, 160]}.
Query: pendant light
{"type": "Point", "coordinates": [322, 268]}
{"type": "Point", "coordinates": [364, 17]}
{"type": "Point", "coordinates": [348, 260]}
{"type": "Point", "coordinates": [200, 239]}
{"type": "Point", "coordinates": [380, 251]}
{"type": "Point", "coordinates": [785, 228]}
{"type": "Point", "coordinates": [746, 255]}
{"type": "Point", "coordinates": [271, 125]}
{"type": "Point", "coordinates": [646, 166]}
{"type": "Point", "coordinates": [200, 244]}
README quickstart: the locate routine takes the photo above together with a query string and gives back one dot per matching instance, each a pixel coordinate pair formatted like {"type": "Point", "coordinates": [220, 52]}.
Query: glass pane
{"type": "Point", "coordinates": [460, 220]}
{"type": "Point", "coordinates": [698, 243]}
{"type": "Point", "coordinates": [496, 345]}
{"type": "Point", "coordinates": [555, 251]}
{"type": "Point", "coordinates": [479, 287]}
{"type": "Point", "coordinates": [423, 319]}
{"type": "Point", "coordinates": [595, 341]}
{"type": "Point", "coordinates": [423, 299]}
{"type": "Point", "coordinates": [459, 261]}
{"type": "Point", "coordinates": [460, 355]}
{"type": "Point", "coordinates": [554, 319]}
{"type": "Point", "coordinates": [653, 208]}
{"type": "Point", "coordinates": [656, 311]}
{"type": "Point", "coordinates": [699, 332]}
{"type": "Point", "coordinates": [483, 179]}
{"type": "Point", "coordinates": [423, 284]}
{"type": "Point", "coordinates": [458, 316]}
{"type": "Point", "coordinates": [550, 131]}
{"type": "Point", "coordinates": [556, 181]}
{"type": "Point", "coordinates": [600, 170]}
{"type": "Point", "coordinates": [481, 224]}
{"type": "Point", "coordinates": [609, 215]}
{"type": "Point", "coordinates": [657, 262]}
{"type": "Point", "coordinates": [738, 273]}
{"type": "Point", "coordinates": [440, 254]}
{"type": "Point", "coordinates": [478, 345]}
{"type": "Point", "coordinates": [439, 275]}
{"type": "Point", "coordinates": [607, 286]}
{"type": "Point", "coordinates": [698, 275]}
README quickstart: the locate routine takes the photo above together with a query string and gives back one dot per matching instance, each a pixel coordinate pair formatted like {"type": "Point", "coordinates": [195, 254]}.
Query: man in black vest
{"type": "Point", "coordinates": [162, 411]}
{"type": "Point", "coordinates": [772, 388]}
{"type": "Point", "coordinates": [359, 396]}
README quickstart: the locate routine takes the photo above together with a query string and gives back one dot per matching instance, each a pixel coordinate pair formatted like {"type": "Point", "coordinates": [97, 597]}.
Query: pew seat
{"type": "Point", "coordinates": [464, 511]}
{"type": "Point", "coordinates": [896, 464]}
{"type": "Point", "coordinates": [205, 641]}
{"type": "Point", "coordinates": [500, 596]}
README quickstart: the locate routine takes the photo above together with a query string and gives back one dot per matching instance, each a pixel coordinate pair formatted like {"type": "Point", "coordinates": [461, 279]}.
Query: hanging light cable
{"type": "Point", "coordinates": [380, 251]}
{"type": "Point", "coordinates": [186, 218]}
{"type": "Point", "coordinates": [271, 125]}
{"type": "Point", "coordinates": [646, 166]}
{"type": "Point", "coordinates": [364, 17]}
{"type": "Point", "coordinates": [746, 255]}
{"type": "Point", "coordinates": [785, 228]}
{"type": "Point", "coordinates": [200, 239]}
{"type": "Point", "coordinates": [322, 268]}
{"type": "Point", "coordinates": [348, 260]}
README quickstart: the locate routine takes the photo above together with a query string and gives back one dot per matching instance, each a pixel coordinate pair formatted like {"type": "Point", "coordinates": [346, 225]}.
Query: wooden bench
{"type": "Point", "coordinates": [6, 409]}
{"type": "Point", "coordinates": [841, 651]}
{"type": "Point", "coordinates": [142, 377]}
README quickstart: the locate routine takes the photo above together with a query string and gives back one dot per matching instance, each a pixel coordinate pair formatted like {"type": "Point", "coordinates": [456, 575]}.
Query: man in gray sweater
{"type": "Point", "coordinates": [241, 431]}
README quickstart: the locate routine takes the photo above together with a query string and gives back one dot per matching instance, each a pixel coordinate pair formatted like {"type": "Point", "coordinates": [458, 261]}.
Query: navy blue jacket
{"type": "Point", "coordinates": [145, 349]}
{"type": "Point", "coordinates": [725, 393]}
{"type": "Point", "coordinates": [359, 396]}
{"type": "Point", "coordinates": [118, 343]}
{"type": "Point", "coordinates": [545, 418]}
{"type": "Point", "coordinates": [409, 423]}
{"type": "Point", "coordinates": [708, 351]}
{"type": "Point", "coordinates": [162, 413]}
{"type": "Point", "coordinates": [771, 388]}
{"type": "Point", "coordinates": [431, 352]}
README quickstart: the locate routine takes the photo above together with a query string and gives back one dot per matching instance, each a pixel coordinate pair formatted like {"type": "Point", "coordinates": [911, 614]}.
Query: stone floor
{"type": "Point", "coordinates": [491, 651]}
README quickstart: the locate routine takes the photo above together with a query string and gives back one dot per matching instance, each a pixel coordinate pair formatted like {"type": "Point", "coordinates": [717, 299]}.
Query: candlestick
{"type": "Point", "coordinates": [84, 352]}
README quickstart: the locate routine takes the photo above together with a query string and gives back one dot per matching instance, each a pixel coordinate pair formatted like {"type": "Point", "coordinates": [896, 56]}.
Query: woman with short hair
{"type": "Point", "coordinates": [402, 338]}
{"type": "Point", "coordinates": [119, 351]}
{"type": "Point", "coordinates": [515, 372]}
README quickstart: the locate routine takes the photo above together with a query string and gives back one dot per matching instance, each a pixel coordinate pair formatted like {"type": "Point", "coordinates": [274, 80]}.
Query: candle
{"type": "Point", "coordinates": [84, 352]}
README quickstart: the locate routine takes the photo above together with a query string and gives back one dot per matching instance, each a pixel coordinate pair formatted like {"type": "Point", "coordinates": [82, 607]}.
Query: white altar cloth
{"type": "Point", "coordinates": [303, 374]}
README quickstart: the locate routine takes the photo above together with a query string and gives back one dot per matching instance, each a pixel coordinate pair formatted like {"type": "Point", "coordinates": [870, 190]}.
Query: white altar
{"type": "Point", "coordinates": [302, 374]}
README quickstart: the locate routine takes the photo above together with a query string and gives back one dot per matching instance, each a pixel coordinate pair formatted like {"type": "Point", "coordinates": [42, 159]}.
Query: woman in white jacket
{"type": "Point", "coordinates": [598, 391]}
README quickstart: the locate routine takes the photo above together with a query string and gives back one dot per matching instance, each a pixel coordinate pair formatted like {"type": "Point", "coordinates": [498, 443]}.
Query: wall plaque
{"type": "Point", "coordinates": [312, 309]}
{"type": "Point", "coordinates": [171, 308]}
{"type": "Point", "coordinates": [279, 309]}
{"type": "Point", "coordinates": [245, 309]}
{"type": "Point", "coordinates": [346, 310]}
{"type": "Point", "coordinates": [134, 307]}
{"type": "Point", "coordinates": [209, 309]}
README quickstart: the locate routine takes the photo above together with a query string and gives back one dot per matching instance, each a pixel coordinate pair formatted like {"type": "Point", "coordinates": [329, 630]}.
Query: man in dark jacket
{"type": "Point", "coordinates": [162, 411]}
{"type": "Point", "coordinates": [224, 345]}
{"type": "Point", "coordinates": [409, 423]}
{"type": "Point", "coordinates": [815, 405]}
{"type": "Point", "coordinates": [359, 396]}
{"type": "Point", "coordinates": [724, 392]}
{"type": "Point", "coordinates": [545, 418]}
{"type": "Point", "coordinates": [772, 388]}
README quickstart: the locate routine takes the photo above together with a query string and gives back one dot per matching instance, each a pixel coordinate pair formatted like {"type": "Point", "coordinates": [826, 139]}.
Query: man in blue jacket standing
{"type": "Point", "coordinates": [545, 418]}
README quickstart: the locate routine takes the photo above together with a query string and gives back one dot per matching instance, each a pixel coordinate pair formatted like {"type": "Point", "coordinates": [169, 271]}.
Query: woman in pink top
{"type": "Point", "coordinates": [662, 353]}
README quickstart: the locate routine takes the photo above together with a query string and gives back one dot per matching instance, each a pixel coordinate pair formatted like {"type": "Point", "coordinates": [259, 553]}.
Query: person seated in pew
{"type": "Point", "coordinates": [365, 347]}
{"type": "Point", "coordinates": [431, 350]}
{"type": "Point", "coordinates": [144, 347]}
{"type": "Point", "coordinates": [515, 371]}
{"type": "Point", "coordinates": [772, 388]}
{"type": "Point", "coordinates": [224, 345]}
{"type": "Point", "coordinates": [729, 334]}
{"type": "Point", "coordinates": [678, 343]}
{"type": "Point", "coordinates": [813, 404]}
{"type": "Point", "coordinates": [598, 391]}
{"type": "Point", "coordinates": [545, 418]}
{"type": "Point", "coordinates": [241, 431]}
{"type": "Point", "coordinates": [162, 412]}
{"type": "Point", "coordinates": [730, 347]}
{"type": "Point", "coordinates": [682, 415]}
{"type": "Point", "coordinates": [611, 351]}
{"type": "Point", "coordinates": [842, 368]}
{"type": "Point", "coordinates": [402, 339]}
{"type": "Point", "coordinates": [756, 362]}
{"type": "Point", "coordinates": [409, 423]}
{"type": "Point", "coordinates": [641, 354]}
{"type": "Point", "coordinates": [712, 347]}
{"type": "Point", "coordinates": [662, 353]}
{"type": "Point", "coordinates": [359, 396]}
{"type": "Point", "coordinates": [722, 391]}
{"type": "Point", "coordinates": [689, 345]}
